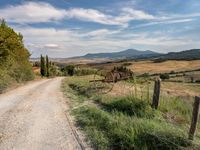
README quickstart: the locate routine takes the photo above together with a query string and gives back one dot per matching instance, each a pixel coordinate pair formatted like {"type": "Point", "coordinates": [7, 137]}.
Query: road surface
{"type": "Point", "coordinates": [33, 117]}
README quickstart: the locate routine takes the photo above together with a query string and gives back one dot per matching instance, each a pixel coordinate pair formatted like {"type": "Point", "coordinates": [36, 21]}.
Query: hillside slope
{"type": "Point", "coordinates": [129, 53]}
{"type": "Point", "coordinates": [183, 55]}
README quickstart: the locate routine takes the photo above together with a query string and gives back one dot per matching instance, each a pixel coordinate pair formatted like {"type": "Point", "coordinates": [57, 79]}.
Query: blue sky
{"type": "Point", "coordinates": [67, 28]}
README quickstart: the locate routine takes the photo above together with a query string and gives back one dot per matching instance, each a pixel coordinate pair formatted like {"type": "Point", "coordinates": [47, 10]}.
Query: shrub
{"type": "Point", "coordinates": [172, 72]}
{"type": "Point", "coordinates": [127, 64]}
{"type": "Point", "coordinates": [84, 71]}
{"type": "Point", "coordinates": [145, 75]}
{"type": "Point", "coordinates": [68, 70]}
{"type": "Point", "coordinates": [164, 76]}
{"type": "Point", "coordinates": [197, 81]}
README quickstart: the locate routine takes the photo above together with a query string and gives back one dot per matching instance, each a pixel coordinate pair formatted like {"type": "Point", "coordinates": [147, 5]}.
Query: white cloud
{"type": "Point", "coordinates": [168, 21]}
{"type": "Point", "coordinates": [91, 15]}
{"type": "Point", "coordinates": [66, 42]}
{"type": "Point", "coordinates": [38, 12]}
{"type": "Point", "coordinates": [51, 46]}
{"type": "Point", "coordinates": [133, 14]}
{"type": "Point", "coordinates": [32, 12]}
{"type": "Point", "coordinates": [101, 33]}
{"type": "Point", "coordinates": [125, 16]}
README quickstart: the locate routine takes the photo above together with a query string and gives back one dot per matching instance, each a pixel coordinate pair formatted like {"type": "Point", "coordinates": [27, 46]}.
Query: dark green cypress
{"type": "Point", "coordinates": [42, 66]}
{"type": "Point", "coordinates": [47, 66]}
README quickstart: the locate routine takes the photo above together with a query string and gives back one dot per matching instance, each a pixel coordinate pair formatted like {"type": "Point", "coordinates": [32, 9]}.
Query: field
{"type": "Point", "coordinates": [122, 117]}
{"type": "Point", "coordinates": [167, 66]}
{"type": "Point", "coordinates": [151, 67]}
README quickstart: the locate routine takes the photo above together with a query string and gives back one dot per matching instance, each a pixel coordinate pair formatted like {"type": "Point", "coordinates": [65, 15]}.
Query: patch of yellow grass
{"type": "Point", "coordinates": [167, 66]}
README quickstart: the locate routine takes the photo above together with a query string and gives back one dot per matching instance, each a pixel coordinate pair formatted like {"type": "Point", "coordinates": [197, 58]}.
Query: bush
{"type": "Point", "coordinates": [145, 75]}
{"type": "Point", "coordinates": [197, 81]}
{"type": "Point", "coordinates": [172, 72]}
{"type": "Point", "coordinates": [127, 64]}
{"type": "Point", "coordinates": [68, 70]}
{"type": "Point", "coordinates": [84, 71]}
{"type": "Point", "coordinates": [54, 71]}
{"type": "Point", "coordinates": [164, 76]}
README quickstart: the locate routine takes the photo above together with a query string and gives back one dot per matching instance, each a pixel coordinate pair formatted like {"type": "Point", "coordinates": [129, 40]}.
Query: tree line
{"type": "Point", "coordinates": [44, 66]}
{"type": "Point", "coordinates": [48, 68]}
{"type": "Point", "coordinates": [14, 57]}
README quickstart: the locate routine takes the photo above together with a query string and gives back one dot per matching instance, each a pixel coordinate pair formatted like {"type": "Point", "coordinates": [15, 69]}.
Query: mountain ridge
{"type": "Point", "coordinates": [129, 53]}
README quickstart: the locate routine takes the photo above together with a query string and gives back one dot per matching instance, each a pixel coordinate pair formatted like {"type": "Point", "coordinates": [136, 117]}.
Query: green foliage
{"type": "Point", "coordinates": [129, 122]}
{"type": "Point", "coordinates": [119, 131]}
{"type": "Point", "coordinates": [49, 69]}
{"type": "Point", "coordinates": [84, 71]}
{"type": "Point", "coordinates": [54, 70]}
{"type": "Point", "coordinates": [164, 76]}
{"type": "Point", "coordinates": [197, 81]}
{"type": "Point", "coordinates": [43, 68]}
{"type": "Point", "coordinates": [145, 75]}
{"type": "Point", "coordinates": [128, 105]}
{"type": "Point", "coordinates": [121, 69]}
{"type": "Point", "coordinates": [176, 109]}
{"type": "Point", "coordinates": [83, 87]}
{"type": "Point", "coordinates": [47, 66]}
{"type": "Point", "coordinates": [14, 58]}
{"type": "Point", "coordinates": [68, 70]}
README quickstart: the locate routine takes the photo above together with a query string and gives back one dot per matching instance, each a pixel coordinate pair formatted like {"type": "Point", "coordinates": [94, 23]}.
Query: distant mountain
{"type": "Point", "coordinates": [183, 55]}
{"type": "Point", "coordinates": [129, 53]}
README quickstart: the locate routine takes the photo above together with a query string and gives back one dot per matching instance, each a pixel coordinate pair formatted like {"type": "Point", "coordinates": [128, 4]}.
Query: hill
{"type": "Point", "coordinates": [192, 54]}
{"type": "Point", "coordinates": [129, 53]}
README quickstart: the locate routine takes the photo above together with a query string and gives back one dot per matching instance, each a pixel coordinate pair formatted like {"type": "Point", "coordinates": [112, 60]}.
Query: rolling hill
{"type": "Point", "coordinates": [129, 53]}
{"type": "Point", "coordinates": [183, 55]}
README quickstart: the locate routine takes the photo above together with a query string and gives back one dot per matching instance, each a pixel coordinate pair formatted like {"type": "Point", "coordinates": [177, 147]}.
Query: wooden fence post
{"type": "Point", "coordinates": [195, 116]}
{"type": "Point", "coordinates": [156, 94]}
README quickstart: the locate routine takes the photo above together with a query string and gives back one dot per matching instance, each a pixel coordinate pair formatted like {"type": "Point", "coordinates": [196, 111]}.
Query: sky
{"type": "Point", "coordinates": [67, 28]}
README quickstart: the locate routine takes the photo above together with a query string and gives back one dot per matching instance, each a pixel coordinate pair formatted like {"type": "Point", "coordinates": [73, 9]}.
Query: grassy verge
{"type": "Point", "coordinates": [126, 122]}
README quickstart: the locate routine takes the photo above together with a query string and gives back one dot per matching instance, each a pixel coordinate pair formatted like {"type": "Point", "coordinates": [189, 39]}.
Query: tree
{"type": "Point", "coordinates": [68, 70]}
{"type": "Point", "coordinates": [14, 57]}
{"type": "Point", "coordinates": [3, 23]}
{"type": "Point", "coordinates": [164, 76]}
{"type": "Point", "coordinates": [42, 66]}
{"type": "Point", "coordinates": [47, 66]}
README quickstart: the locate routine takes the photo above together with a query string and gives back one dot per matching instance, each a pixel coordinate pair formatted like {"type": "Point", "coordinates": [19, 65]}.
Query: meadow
{"type": "Point", "coordinates": [122, 118]}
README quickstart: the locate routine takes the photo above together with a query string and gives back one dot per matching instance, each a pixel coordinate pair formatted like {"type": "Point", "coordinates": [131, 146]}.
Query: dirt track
{"type": "Point", "coordinates": [33, 117]}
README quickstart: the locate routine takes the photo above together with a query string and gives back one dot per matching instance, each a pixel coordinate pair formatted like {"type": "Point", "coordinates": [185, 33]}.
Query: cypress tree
{"type": "Point", "coordinates": [47, 66]}
{"type": "Point", "coordinates": [42, 66]}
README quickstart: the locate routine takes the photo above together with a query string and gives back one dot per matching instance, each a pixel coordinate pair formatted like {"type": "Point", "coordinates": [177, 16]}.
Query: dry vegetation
{"type": "Point", "coordinates": [140, 67]}
{"type": "Point", "coordinates": [123, 119]}
{"type": "Point", "coordinates": [167, 66]}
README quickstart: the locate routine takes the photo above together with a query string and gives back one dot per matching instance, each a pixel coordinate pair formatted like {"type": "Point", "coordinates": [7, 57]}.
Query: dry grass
{"type": "Point", "coordinates": [167, 66]}
{"type": "Point", "coordinates": [36, 69]}
{"type": "Point", "coordinates": [147, 66]}
{"type": "Point", "coordinates": [182, 90]}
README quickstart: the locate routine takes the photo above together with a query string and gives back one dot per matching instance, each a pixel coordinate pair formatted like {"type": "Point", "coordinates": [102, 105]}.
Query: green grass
{"type": "Point", "coordinates": [128, 122]}
{"type": "Point", "coordinates": [82, 86]}
{"type": "Point", "coordinates": [179, 109]}
{"type": "Point", "coordinates": [119, 131]}
{"type": "Point", "coordinates": [128, 105]}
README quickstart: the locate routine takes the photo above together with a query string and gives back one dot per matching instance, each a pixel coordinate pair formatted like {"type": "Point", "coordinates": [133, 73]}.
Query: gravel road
{"type": "Point", "coordinates": [33, 117]}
